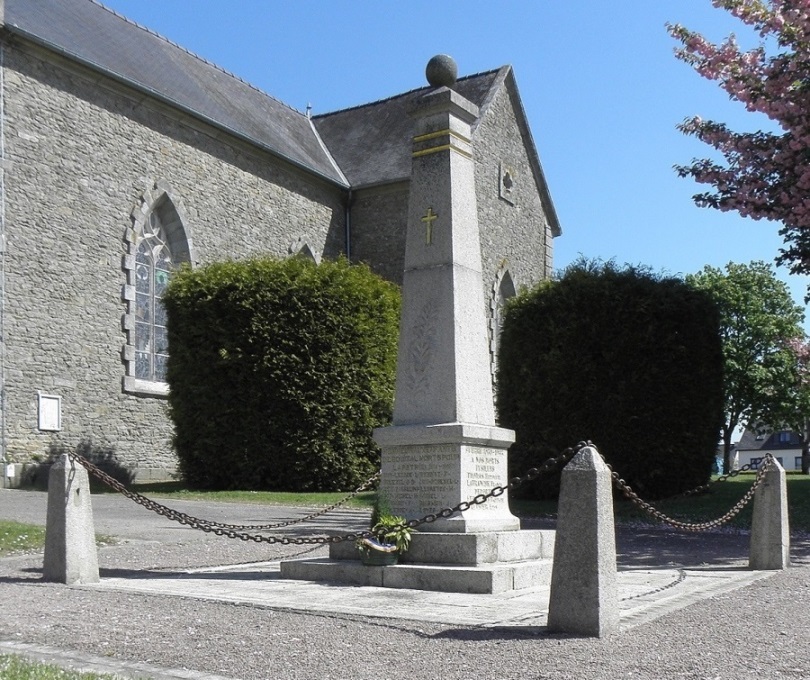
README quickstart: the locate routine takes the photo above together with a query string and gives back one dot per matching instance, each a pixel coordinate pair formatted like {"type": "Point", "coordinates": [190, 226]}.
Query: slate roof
{"type": "Point", "coordinates": [362, 146]}
{"type": "Point", "coordinates": [372, 143]}
{"type": "Point", "coordinates": [89, 33]}
{"type": "Point", "coordinates": [751, 441]}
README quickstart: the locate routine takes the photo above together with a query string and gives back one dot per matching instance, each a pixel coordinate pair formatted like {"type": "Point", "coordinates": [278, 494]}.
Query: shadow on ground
{"type": "Point", "coordinates": [642, 545]}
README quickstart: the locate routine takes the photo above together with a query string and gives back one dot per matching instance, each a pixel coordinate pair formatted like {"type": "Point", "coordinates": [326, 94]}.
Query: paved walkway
{"type": "Point", "coordinates": [659, 573]}
{"type": "Point", "coordinates": [644, 594]}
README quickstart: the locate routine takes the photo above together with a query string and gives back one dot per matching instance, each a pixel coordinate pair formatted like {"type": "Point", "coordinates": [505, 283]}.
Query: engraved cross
{"type": "Point", "coordinates": [428, 220]}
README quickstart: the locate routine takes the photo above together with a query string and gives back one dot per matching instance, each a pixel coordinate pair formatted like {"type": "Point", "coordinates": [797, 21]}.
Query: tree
{"type": "Point", "coordinates": [795, 411]}
{"type": "Point", "coordinates": [758, 321]}
{"type": "Point", "coordinates": [623, 357]}
{"type": "Point", "coordinates": [766, 175]}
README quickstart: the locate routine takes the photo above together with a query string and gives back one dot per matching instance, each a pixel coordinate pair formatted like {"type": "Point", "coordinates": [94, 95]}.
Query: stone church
{"type": "Point", "coordinates": [124, 155]}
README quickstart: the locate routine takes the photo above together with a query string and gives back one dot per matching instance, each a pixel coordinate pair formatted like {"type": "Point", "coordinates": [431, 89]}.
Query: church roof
{"type": "Point", "coordinates": [103, 40]}
{"type": "Point", "coordinates": [372, 143]}
{"type": "Point", "coordinates": [358, 147]}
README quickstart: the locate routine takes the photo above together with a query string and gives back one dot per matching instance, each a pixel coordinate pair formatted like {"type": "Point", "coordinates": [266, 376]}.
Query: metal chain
{"type": "Point", "coordinates": [188, 519]}
{"type": "Point", "coordinates": [278, 525]}
{"type": "Point", "coordinates": [709, 485]}
{"type": "Point", "coordinates": [625, 488]}
{"type": "Point", "coordinates": [223, 530]}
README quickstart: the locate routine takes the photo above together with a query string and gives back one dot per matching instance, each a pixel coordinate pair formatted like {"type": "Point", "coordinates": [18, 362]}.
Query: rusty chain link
{"type": "Point", "coordinates": [197, 523]}
{"type": "Point", "coordinates": [234, 531]}
{"type": "Point", "coordinates": [278, 525]}
{"type": "Point", "coordinates": [237, 531]}
{"type": "Point", "coordinates": [628, 492]}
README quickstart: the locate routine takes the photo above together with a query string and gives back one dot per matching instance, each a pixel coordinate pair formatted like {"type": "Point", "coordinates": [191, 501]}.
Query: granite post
{"type": "Point", "coordinates": [443, 446]}
{"type": "Point", "coordinates": [770, 532]}
{"type": "Point", "coordinates": [584, 590]}
{"type": "Point", "coordinates": [70, 539]}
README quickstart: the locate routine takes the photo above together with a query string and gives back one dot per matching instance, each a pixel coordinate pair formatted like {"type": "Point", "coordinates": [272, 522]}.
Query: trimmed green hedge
{"type": "Point", "coordinates": [279, 370]}
{"type": "Point", "coordinates": [624, 358]}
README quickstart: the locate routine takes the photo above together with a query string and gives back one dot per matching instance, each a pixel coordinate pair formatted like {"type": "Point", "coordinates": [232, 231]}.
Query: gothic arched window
{"type": "Point", "coordinates": [153, 267]}
{"type": "Point", "coordinates": [156, 245]}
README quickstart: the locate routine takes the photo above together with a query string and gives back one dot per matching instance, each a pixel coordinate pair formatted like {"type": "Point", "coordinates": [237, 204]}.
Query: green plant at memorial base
{"type": "Point", "coordinates": [393, 530]}
{"type": "Point", "coordinates": [392, 537]}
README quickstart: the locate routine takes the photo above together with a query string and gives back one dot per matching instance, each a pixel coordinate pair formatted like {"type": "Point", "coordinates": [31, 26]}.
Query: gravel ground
{"type": "Point", "coordinates": [760, 631]}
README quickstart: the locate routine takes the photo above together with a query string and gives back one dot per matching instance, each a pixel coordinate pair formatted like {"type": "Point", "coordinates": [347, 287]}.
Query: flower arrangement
{"type": "Point", "coordinates": [392, 536]}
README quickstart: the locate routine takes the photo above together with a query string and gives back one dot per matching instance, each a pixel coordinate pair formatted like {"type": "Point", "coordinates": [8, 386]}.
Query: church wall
{"type": "Point", "coordinates": [379, 225]}
{"type": "Point", "coordinates": [516, 240]}
{"type": "Point", "coordinates": [81, 152]}
{"type": "Point", "coordinates": [515, 234]}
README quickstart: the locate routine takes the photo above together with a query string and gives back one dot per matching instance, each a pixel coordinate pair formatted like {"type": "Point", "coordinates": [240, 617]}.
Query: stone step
{"type": "Point", "coordinates": [467, 549]}
{"type": "Point", "coordinates": [482, 579]}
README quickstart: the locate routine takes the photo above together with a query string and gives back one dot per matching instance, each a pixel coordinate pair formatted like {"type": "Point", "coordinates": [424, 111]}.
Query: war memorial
{"type": "Point", "coordinates": [443, 449]}
{"type": "Point", "coordinates": [472, 573]}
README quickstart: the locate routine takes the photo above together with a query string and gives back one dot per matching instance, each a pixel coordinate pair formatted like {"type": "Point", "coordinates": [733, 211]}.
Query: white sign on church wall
{"type": "Point", "coordinates": [50, 412]}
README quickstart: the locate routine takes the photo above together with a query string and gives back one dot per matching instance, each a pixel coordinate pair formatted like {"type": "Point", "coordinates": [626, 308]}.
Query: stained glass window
{"type": "Point", "coordinates": [153, 268]}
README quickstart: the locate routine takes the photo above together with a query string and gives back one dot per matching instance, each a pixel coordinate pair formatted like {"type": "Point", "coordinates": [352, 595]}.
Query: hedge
{"type": "Point", "coordinates": [278, 371]}
{"type": "Point", "coordinates": [627, 359]}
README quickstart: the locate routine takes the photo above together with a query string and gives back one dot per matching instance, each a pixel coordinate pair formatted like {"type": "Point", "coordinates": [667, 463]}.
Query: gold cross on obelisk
{"type": "Point", "coordinates": [428, 220]}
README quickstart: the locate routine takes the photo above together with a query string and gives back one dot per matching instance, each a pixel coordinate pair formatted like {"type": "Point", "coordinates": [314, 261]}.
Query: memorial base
{"type": "Point", "coordinates": [429, 467]}
{"type": "Point", "coordinates": [492, 562]}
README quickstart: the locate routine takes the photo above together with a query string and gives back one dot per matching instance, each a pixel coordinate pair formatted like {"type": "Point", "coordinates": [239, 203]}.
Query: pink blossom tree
{"type": "Point", "coordinates": [763, 175]}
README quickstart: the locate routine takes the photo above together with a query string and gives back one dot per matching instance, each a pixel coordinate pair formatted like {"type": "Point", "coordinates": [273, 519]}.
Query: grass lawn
{"type": "Point", "coordinates": [13, 667]}
{"type": "Point", "coordinates": [177, 490]}
{"type": "Point", "coordinates": [20, 538]}
{"type": "Point", "coordinates": [724, 495]}
{"type": "Point", "coordinates": [17, 538]}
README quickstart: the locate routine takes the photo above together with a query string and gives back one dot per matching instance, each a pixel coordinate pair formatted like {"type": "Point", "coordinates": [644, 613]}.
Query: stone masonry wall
{"type": "Point", "coordinates": [514, 228]}
{"type": "Point", "coordinates": [80, 154]}
{"type": "Point", "coordinates": [379, 219]}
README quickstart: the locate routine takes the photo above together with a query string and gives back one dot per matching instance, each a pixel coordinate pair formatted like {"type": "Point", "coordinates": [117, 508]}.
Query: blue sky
{"type": "Point", "coordinates": [599, 82]}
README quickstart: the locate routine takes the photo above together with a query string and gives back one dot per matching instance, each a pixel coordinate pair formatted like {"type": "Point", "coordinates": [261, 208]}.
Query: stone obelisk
{"type": "Point", "coordinates": [443, 446]}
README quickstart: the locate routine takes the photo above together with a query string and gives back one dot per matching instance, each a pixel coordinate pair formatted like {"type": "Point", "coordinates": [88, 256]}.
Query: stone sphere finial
{"type": "Point", "coordinates": [442, 71]}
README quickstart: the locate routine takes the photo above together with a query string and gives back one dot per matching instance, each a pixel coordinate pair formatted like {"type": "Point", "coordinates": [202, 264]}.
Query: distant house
{"type": "Point", "coordinates": [784, 445]}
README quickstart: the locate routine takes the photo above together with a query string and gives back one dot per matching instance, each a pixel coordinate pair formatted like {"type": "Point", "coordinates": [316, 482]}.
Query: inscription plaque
{"type": "Point", "coordinates": [420, 480]}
